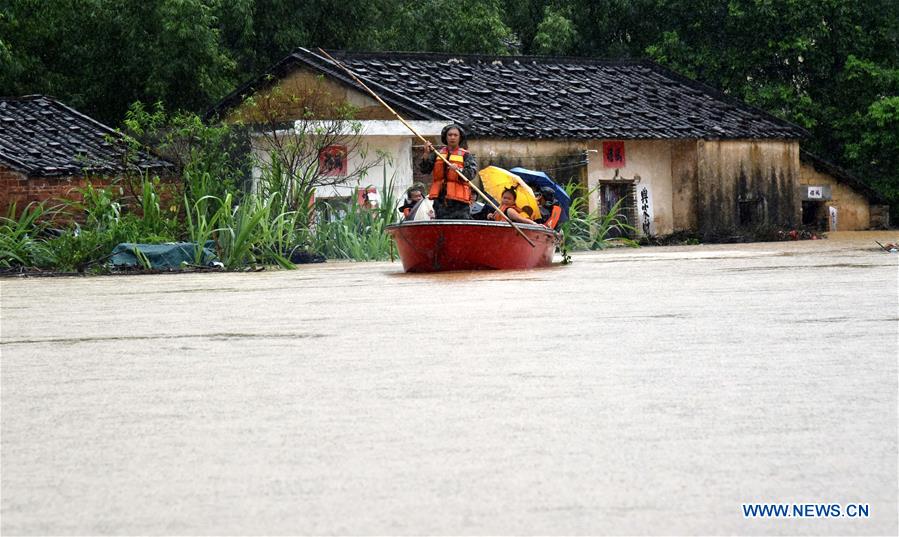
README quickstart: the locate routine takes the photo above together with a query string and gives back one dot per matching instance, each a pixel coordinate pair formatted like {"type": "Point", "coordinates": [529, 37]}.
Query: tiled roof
{"type": "Point", "coordinates": [43, 137]}
{"type": "Point", "coordinates": [825, 166]}
{"type": "Point", "coordinates": [542, 97]}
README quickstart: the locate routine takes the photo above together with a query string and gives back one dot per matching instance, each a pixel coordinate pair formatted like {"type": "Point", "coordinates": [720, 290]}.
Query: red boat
{"type": "Point", "coordinates": [439, 245]}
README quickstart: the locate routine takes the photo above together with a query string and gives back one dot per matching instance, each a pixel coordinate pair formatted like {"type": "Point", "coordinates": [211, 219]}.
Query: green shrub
{"type": "Point", "coordinates": [79, 249]}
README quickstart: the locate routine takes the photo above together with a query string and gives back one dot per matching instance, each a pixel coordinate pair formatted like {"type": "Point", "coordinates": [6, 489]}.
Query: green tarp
{"type": "Point", "coordinates": [162, 256]}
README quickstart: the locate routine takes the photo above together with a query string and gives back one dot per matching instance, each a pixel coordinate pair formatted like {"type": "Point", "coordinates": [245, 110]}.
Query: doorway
{"type": "Point", "coordinates": [611, 193]}
{"type": "Point", "coordinates": [814, 215]}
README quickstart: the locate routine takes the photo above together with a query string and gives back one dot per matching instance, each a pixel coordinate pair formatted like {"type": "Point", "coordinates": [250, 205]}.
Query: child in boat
{"type": "Point", "coordinates": [414, 195]}
{"type": "Point", "coordinates": [509, 208]}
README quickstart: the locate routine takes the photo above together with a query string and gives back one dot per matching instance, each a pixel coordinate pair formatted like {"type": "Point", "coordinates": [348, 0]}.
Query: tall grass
{"type": "Point", "coordinates": [200, 227]}
{"type": "Point", "coordinates": [590, 230]}
{"type": "Point", "coordinates": [246, 234]}
{"type": "Point", "coordinates": [106, 222]}
{"type": "Point", "coordinates": [256, 231]}
{"type": "Point", "coordinates": [20, 242]}
{"type": "Point", "coordinates": [358, 233]}
{"type": "Point", "coordinates": [263, 228]}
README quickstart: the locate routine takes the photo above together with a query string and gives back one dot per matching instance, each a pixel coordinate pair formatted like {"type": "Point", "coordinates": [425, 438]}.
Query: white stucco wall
{"type": "Point", "coordinates": [393, 158]}
{"type": "Point", "coordinates": [651, 160]}
{"type": "Point", "coordinates": [386, 144]}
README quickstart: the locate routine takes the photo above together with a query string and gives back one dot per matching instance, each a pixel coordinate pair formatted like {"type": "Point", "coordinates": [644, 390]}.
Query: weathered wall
{"type": "Point", "coordinates": [562, 160]}
{"type": "Point", "coordinates": [394, 168]}
{"type": "Point", "coordinates": [286, 100]}
{"type": "Point", "coordinates": [759, 178]}
{"type": "Point", "coordinates": [373, 160]}
{"type": "Point", "coordinates": [684, 182]}
{"type": "Point", "coordinates": [853, 209]}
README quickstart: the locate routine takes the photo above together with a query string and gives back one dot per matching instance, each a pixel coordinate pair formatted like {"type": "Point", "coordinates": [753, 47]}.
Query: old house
{"type": "Point", "coordinates": [47, 149]}
{"type": "Point", "coordinates": [683, 156]}
{"type": "Point", "coordinates": [835, 200]}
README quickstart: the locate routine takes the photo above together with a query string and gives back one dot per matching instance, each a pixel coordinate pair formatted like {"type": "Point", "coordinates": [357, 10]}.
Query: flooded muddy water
{"type": "Point", "coordinates": [636, 391]}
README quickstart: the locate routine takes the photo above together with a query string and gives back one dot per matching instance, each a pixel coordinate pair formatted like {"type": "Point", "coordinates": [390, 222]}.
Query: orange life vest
{"type": "Point", "coordinates": [457, 187]}
{"type": "Point", "coordinates": [553, 219]}
{"type": "Point", "coordinates": [502, 209]}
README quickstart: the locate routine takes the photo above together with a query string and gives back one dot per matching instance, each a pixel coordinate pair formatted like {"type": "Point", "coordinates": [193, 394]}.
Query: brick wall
{"type": "Point", "coordinates": [18, 188]}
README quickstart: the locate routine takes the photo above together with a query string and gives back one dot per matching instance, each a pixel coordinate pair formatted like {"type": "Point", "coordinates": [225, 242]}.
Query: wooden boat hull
{"type": "Point", "coordinates": [442, 245]}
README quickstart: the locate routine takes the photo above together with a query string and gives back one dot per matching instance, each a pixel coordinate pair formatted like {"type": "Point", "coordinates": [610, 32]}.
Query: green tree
{"type": "Point", "coordinates": [101, 55]}
{"type": "Point", "coordinates": [463, 26]}
{"type": "Point", "coordinates": [556, 33]}
{"type": "Point", "coordinates": [828, 65]}
{"type": "Point", "coordinates": [259, 33]}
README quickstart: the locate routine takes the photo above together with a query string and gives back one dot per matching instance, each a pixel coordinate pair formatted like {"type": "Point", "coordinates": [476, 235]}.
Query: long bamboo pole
{"type": "Point", "coordinates": [422, 138]}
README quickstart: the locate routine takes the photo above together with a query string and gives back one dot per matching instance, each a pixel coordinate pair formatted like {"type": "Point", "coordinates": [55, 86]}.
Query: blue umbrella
{"type": "Point", "coordinates": [536, 180]}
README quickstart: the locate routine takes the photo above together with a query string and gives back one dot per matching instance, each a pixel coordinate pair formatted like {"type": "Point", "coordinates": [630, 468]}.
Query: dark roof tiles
{"type": "Point", "coordinates": [645, 100]}
{"type": "Point", "coordinates": [43, 137]}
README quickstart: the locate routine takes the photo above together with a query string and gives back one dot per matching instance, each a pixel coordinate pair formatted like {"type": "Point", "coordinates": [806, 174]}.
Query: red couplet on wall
{"type": "Point", "coordinates": [613, 155]}
{"type": "Point", "coordinates": [332, 160]}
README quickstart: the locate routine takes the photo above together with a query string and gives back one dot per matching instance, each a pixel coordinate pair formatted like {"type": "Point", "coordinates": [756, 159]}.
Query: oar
{"type": "Point", "coordinates": [422, 138]}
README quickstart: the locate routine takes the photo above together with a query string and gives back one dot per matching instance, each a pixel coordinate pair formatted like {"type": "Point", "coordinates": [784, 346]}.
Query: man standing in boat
{"type": "Point", "coordinates": [451, 193]}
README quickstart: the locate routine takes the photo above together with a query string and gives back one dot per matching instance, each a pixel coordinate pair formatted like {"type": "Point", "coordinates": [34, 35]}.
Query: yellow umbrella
{"type": "Point", "coordinates": [496, 180]}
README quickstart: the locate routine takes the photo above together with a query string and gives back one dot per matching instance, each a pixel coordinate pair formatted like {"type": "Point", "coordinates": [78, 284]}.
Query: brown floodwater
{"type": "Point", "coordinates": [636, 391]}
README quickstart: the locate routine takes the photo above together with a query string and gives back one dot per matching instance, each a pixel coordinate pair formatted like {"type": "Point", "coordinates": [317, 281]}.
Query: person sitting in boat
{"type": "Point", "coordinates": [478, 209]}
{"type": "Point", "coordinates": [508, 207]}
{"type": "Point", "coordinates": [414, 195]}
{"type": "Point", "coordinates": [450, 192]}
{"type": "Point", "coordinates": [550, 211]}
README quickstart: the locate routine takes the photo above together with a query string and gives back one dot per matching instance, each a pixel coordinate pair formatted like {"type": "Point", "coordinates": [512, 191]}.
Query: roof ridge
{"type": "Point", "coordinates": [493, 57]}
{"type": "Point", "coordinates": [305, 57]}
{"type": "Point", "coordinates": [57, 102]}
{"type": "Point", "coordinates": [103, 126]}
{"type": "Point", "coordinates": [29, 97]}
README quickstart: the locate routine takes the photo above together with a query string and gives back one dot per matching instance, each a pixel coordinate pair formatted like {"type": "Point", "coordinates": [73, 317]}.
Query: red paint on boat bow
{"type": "Point", "coordinates": [438, 245]}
